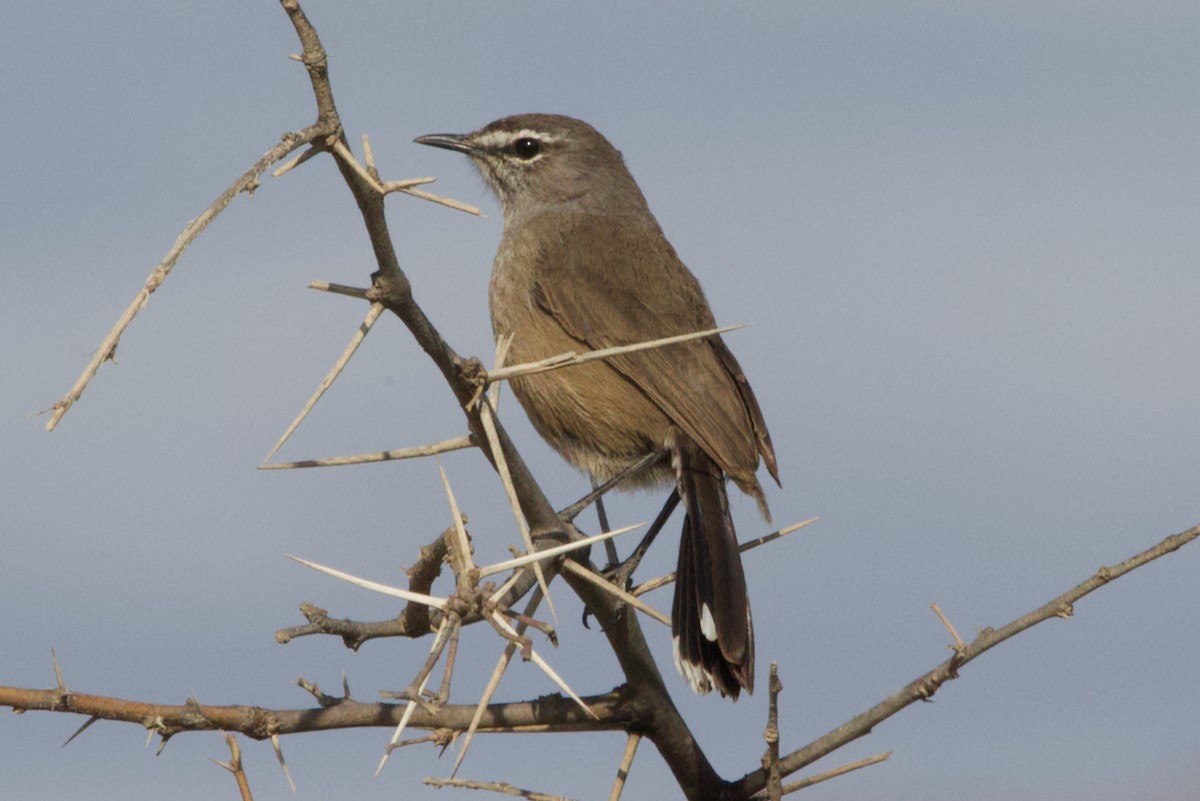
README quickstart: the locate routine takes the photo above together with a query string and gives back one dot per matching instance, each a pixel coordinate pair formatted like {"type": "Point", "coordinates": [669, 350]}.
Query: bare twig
{"type": "Point", "coordinates": [550, 713]}
{"type": "Point", "coordinates": [771, 736]}
{"type": "Point", "coordinates": [443, 694]}
{"type": "Point", "coordinates": [809, 781]}
{"type": "Point", "coordinates": [496, 787]}
{"type": "Point", "coordinates": [415, 691]}
{"type": "Point", "coordinates": [248, 182]}
{"type": "Point", "coordinates": [234, 766]}
{"type": "Point", "coordinates": [923, 687]}
{"type": "Point", "coordinates": [312, 689]}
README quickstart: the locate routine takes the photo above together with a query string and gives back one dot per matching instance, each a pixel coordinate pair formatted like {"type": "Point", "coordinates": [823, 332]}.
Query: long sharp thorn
{"type": "Point", "coordinates": [489, 427]}
{"type": "Point", "coordinates": [494, 682]}
{"type": "Point", "coordinates": [80, 730]}
{"type": "Point", "coordinates": [395, 592]}
{"type": "Point", "coordinates": [549, 671]}
{"type": "Point", "coordinates": [412, 703]}
{"type": "Point", "coordinates": [537, 556]}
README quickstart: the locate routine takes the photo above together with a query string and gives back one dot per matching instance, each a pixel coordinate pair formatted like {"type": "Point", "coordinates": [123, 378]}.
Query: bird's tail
{"type": "Point", "coordinates": [710, 618]}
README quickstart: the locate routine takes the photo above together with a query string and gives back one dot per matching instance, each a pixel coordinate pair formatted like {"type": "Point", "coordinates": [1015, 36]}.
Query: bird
{"type": "Point", "coordinates": [583, 265]}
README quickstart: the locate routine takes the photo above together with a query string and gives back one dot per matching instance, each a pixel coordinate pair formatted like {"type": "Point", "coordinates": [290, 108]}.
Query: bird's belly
{"type": "Point", "coordinates": [596, 419]}
{"type": "Point", "coordinates": [591, 414]}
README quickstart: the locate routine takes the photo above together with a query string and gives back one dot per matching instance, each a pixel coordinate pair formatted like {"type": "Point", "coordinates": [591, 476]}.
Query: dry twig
{"type": "Point", "coordinates": [234, 766]}
{"type": "Point", "coordinates": [248, 182]}
{"type": "Point", "coordinates": [496, 787]}
{"type": "Point", "coordinates": [923, 687]}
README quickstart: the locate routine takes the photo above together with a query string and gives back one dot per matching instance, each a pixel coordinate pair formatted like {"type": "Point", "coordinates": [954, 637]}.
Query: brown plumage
{"type": "Point", "coordinates": [583, 264]}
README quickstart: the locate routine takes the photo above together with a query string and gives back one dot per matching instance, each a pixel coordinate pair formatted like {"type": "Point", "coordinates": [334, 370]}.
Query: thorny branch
{"type": "Point", "coordinates": [923, 687]}
{"type": "Point", "coordinates": [550, 713]}
{"type": "Point", "coordinates": [626, 709]}
{"type": "Point", "coordinates": [641, 705]}
{"type": "Point", "coordinates": [249, 181]}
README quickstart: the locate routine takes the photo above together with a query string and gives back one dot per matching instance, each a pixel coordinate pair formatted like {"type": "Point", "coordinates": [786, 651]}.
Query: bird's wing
{"type": "Point", "coordinates": [633, 289]}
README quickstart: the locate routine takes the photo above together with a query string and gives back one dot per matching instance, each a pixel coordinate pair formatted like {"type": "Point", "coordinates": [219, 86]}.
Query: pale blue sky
{"type": "Point", "coordinates": [967, 235]}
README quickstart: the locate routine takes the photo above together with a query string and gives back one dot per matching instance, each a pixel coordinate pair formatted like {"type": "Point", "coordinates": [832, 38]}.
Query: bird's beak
{"type": "Point", "coordinates": [459, 142]}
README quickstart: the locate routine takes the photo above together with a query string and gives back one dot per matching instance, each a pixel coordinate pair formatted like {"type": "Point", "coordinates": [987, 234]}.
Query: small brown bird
{"type": "Point", "coordinates": [583, 265]}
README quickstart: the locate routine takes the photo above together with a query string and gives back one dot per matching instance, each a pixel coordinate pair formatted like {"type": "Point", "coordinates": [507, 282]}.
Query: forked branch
{"type": "Point", "coordinates": [923, 687]}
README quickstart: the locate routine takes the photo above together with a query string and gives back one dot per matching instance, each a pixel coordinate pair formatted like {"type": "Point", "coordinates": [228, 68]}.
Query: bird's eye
{"type": "Point", "coordinates": [526, 147]}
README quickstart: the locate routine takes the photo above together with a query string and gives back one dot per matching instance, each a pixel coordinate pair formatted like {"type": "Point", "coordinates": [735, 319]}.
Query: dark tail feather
{"type": "Point", "coordinates": [710, 617]}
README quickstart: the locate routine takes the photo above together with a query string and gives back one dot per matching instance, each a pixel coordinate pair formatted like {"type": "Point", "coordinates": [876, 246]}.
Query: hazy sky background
{"type": "Point", "coordinates": [967, 235]}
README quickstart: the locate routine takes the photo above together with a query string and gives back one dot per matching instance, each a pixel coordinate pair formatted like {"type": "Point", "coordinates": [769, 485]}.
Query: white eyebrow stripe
{"type": "Point", "coordinates": [501, 138]}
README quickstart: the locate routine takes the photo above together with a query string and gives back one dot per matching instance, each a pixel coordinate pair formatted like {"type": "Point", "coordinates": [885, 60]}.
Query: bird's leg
{"type": "Point", "coordinates": [572, 511]}
{"type": "Point", "coordinates": [610, 547]}
{"type": "Point", "coordinates": [595, 496]}
{"type": "Point", "coordinates": [620, 574]}
{"type": "Point", "coordinates": [624, 571]}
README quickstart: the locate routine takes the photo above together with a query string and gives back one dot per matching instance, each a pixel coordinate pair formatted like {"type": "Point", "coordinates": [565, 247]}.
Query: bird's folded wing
{"type": "Point", "coordinates": [616, 297]}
